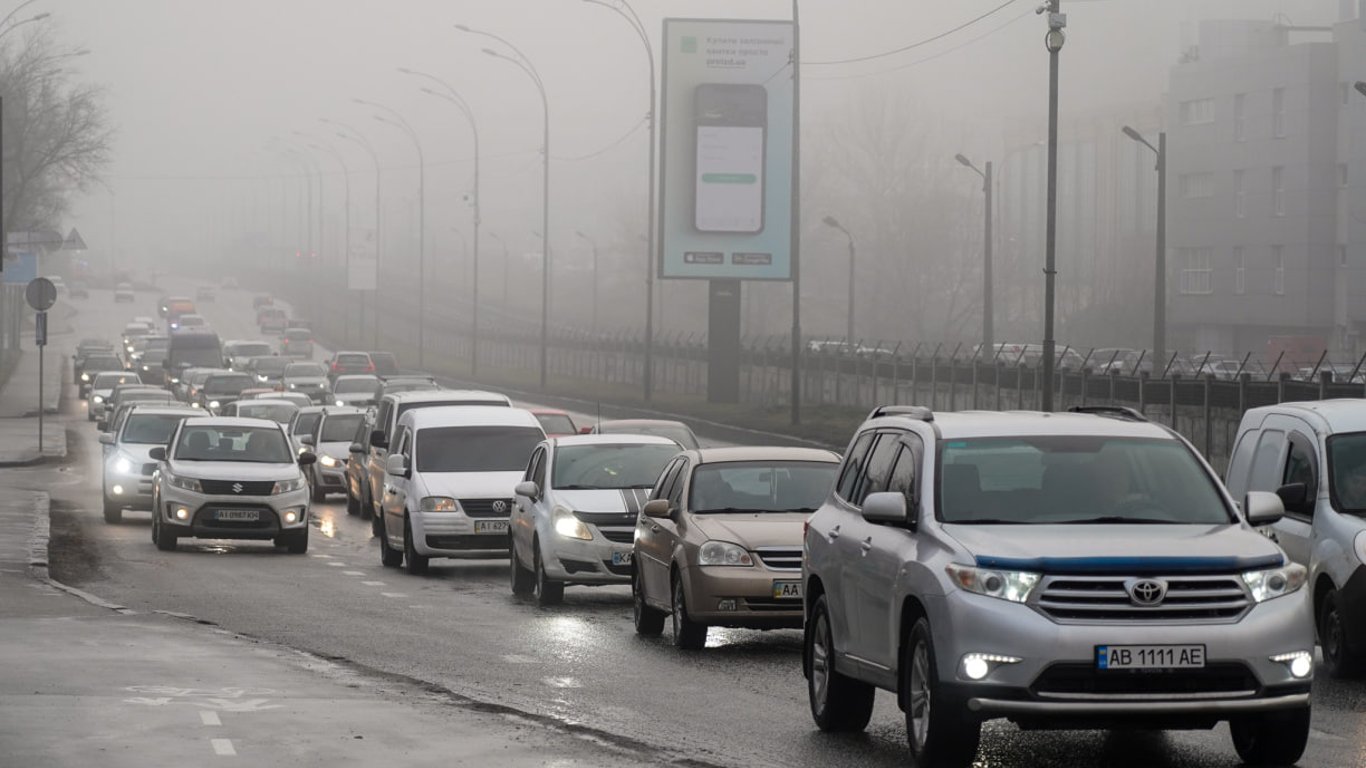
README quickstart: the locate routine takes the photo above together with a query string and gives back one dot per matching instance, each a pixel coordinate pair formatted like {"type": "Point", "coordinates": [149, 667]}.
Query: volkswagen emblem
{"type": "Point", "coordinates": [1146, 593]}
{"type": "Point", "coordinates": [236, 487]}
{"type": "Point", "coordinates": [500, 506]}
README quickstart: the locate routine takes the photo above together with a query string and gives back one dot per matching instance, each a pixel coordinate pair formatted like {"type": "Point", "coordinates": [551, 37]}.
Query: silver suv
{"type": "Point", "coordinates": [1070, 570]}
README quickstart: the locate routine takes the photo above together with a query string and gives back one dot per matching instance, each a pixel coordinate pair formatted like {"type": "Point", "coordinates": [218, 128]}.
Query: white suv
{"type": "Point", "coordinates": [449, 480]}
{"type": "Point", "coordinates": [222, 478]}
{"type": "Point", "coordinates": [128, 469]}
{"type": "Point", "coordinates": [1061, 570]}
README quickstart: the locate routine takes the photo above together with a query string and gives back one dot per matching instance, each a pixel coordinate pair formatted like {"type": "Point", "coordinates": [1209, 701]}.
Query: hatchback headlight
{"type": "Point", "coordinates": [99, 399]}
{"type": "Point", "coordinates": [185, 483]}
{"type": "Point", "coordinates": [438, 504]}
{"type": "Point", "coordinates": [1275, 582]}
{"type": "Point", "coordinates": [213, 403]}
{"type": "Point", "coordinates": [1015, 586]}
{"type": "Point", "coordinates": [571, 527]}
{"type": "Point", "coordinates": [287, 486]}
{"type": "Point", "coordinates": [723, 553]}
{"type": "Point", "coordinates": [328, 461]}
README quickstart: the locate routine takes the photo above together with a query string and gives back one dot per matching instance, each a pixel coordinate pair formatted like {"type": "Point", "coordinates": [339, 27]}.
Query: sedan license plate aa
{"type": "Point", "coordinates": [787, 590]}
{"type": "Point", "coordinates": [490, 526]}
{"type": "Point", "coordinates": [1150, 657]}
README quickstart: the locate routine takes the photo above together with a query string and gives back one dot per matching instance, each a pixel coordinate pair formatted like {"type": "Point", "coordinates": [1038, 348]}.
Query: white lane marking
{"type": "Point", "coordinates": [561, 682]}
{"type": "Point", "coordinates": [223, 747]}
{"type": "Point", "coordinates": [373, 583]}
{"type": "Point", "coordinates": [322, 557]}
{"type": "Point", "coordinates": [209, 718]}
{"type": "Point", "coordinates": [394, 595]}
{"type": "Point", "coordinates": [339, 565]}
{"type": "Point", "coordinates": [517, 658]}
{"type": "Point", "coordinates": [353, 573]}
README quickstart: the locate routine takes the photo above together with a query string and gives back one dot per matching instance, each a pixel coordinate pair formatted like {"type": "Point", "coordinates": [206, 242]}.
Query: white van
{"type": "Point", "coordinates": [1313, 455]}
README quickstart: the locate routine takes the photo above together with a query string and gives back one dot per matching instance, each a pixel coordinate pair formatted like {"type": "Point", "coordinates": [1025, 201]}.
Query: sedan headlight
{"type": "Point", "coordinates": [571, 527]}
{"type": "Point", "coordinates": [293, 386]}
{"type": "Point", "coordinates": [262, 379]}
{"type": "Point", "coordinates": [185, 483]}
{"type": "Point", "coordinates": [213, 403]}
{"type": "Point", "coordinates": [328, 461]}
{"type": "Point", "coordinates": [85, 377]}
{"type": "Point", "coordinates": [340, 403]}
{"type": "Point", "coordinates": [1014, 586]}
{"type": "Point", "coordinates": [723, 553]}
{"type": "Point", "coordinates": [287, 486]}
{"type": "Point", "coordinates": [438, 504]}
{"type": "Point", "coordinates": [99, 399]}
{"type": "Point", "coordinates": [1275, 582]}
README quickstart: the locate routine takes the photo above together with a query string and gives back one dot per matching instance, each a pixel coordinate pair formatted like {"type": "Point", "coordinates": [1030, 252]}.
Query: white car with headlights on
{"type": "Point", "coordinates": [222, 478]}
{"type": "Point", "coordinates": [331, 442]}
{"type": "Point", "coordinates": [128, 469]}
{"type": "Point", "coordinates": [102, 388]}
{"type": "Point", "coordinates": [574, 518]}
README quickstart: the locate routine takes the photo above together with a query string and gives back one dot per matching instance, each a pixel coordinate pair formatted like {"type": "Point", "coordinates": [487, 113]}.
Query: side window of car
{"type": "Point", "coordinates": [538, 472]}
{"type": "Point", "coordinates": [401, 444]}
{"type": "Point", "coordinates": [679, 481]}
{"type": "Point", "coordinates": [877, 468]}
{"type": "Point", "coordinates": [904, 471]}
{"type": "Point", "coordinates": [1266, 474]}
{"type": "Point", "coordinates": [853, 466]}
{"type": "Point", "coordinates": [1300, 465]}
{"type": "Point", "coordinates": [666, 480]}
{"type": "Point", "coordinates": [1240, 464]}
{"type": "Point", "coordinates": [382, 420]}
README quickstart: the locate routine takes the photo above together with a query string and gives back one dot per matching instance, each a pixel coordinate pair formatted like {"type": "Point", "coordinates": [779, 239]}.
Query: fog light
{"type": "Point", "coordinates": [1301, 663]}
{"type": "Point", "coordinates": [182, 513]}
{"type": "Point", "coordinates": [118, 490]}
{"type": "Point", "coordinates": [976, 666]}
{"type": "Point", "coordinates": [725, 605]}
{"type": "Point", "coordinates": [291, 517]}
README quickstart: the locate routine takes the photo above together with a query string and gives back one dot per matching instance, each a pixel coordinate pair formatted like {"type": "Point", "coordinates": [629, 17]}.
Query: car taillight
{"type": "Point", "coordinates": [370, 368]}
{"type": "Point", "coordinates": [336, 367]}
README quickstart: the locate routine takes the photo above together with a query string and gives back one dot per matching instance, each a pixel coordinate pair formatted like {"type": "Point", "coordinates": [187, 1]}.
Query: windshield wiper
{"type": "Point", "coordinates": [578, 488]}
{"type": "Point", "coordinates": [1111, 520]}
{"type": "Point", "coordinates": [732, 510]}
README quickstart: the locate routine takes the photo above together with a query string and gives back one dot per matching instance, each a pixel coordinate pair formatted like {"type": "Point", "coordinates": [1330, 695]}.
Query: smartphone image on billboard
{"type": "Point", "coordinates": [731, 122]}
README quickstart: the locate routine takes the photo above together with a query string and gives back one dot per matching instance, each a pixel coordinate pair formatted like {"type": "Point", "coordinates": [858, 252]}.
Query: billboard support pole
{"type": "Point", "coordinates": [796, 385]}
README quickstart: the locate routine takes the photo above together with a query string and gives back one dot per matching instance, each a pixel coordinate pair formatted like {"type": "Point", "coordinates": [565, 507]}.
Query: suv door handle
{"type": "Point", "coordinates": [834, 533]}
{"type": "Point", "coordinates": [867, 545]}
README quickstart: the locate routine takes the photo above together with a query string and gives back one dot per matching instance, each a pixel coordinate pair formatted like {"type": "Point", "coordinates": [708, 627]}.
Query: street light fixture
{"type": "Point", "coordinates": [351, 134]}
{"type": "Point", "coordinates": [1160, 262]}
{"type": "Point", "coordinates": [594, 245]}
{"type": "Point", "coordinates": [346, 219]}
{"type": "Point", "coordinates": [833, 223]}
{"type": "Point", "coordinates": [988, 291]}
{"type": "Point", "coordinates": [1057, 22]}
{"type": "Point", "coordinates": [520, 59]}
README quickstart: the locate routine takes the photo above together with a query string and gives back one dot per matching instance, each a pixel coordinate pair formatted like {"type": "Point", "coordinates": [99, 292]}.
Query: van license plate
{"type": "Point", "coordinates": [490, 526]}
{"type": "Point", "coordinates": [621, 558]}
{"type": "Point", "coordinates": [1150, 657]}
{"type": "Point", "coordinates": [787, 590]}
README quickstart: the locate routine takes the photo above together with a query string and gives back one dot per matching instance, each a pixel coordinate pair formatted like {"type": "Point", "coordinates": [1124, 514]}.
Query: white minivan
{"type": "Point", "coordinates": [1313, 455]}
{"type": "Point", "coordinates": [449, 480]}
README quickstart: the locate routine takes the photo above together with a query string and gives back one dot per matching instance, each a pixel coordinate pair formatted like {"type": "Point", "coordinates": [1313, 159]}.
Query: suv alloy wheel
{"type": "Point", "coordinates": [938, 730]}
{"type": "Point", "coordinates": [838, 703]}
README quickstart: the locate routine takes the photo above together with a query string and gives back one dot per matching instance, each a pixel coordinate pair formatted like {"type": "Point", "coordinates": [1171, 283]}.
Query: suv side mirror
{"type": "Point", "coordinates": [157, 454]}
{"type": "Point", "coordinates": [377, 439]}
{"type": "Point", "coordinates": [107, 438]}
{"type": "Point", "coordinates": [1262, 508]}
{"type": "Point", "coordinates": [307, 457]}
{"type": "Point", "coordinates": [658, 508]}
{"type": "Point", "coordinates": [397, 465]}
{"type": "Point", "coordinates": [888, 507]}
{"type": "Point", "coordinates": [1295, 498]}
{"type": "Point", "coordinates": [529, 489]}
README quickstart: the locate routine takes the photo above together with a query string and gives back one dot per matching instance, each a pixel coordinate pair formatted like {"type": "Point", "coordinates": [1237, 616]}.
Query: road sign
{"type": "Point", "coordinates": [20, 267]}
{"type": "Point", "coordinates": [41, 294]}
{"type": "Point", "coordinates": [73, 241]}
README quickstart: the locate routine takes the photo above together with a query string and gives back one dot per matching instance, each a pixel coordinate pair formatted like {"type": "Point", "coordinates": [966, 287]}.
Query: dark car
{"type": "Point", "coordinates": [386, 364]}
{"type": "Point", "coordinates": [96, 364]}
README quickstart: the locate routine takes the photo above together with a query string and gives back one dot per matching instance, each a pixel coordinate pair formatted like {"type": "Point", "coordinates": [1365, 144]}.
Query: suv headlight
{"type": "Point", "coordinates": [1015, 586]}
{"type": "Point", "coordinates": [438, 504]}
{"type": "Point", "coordinates": [99, 399]}
{"type": "Point", "coordinates": [1275, 582]}
{"type": "Point", "coordinates": [571, 527]}
{"type": "Point", "coordinates": [287, 486]}
{"type": "Point", "coordinates": [123, 465]}
{"type": "Point", "coordinates": [185, 483]}
{"type": "Point", "coordinates": [723, 553]}
{"type": "Point", "coordinates": [328, 461]}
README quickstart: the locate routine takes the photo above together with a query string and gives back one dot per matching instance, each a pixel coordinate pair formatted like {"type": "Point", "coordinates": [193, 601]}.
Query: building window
{"type": "Point", "coordinates": [1278, 190]}
{"type": "Point", "coordinates": [1278, 262]}
{"type": "Point", "coordinates": [1193, 185]}
{"type": "Point", "coordinates": [1240, 117]}
{"type": "Point", "coordinates": [1278, 113]}
{"type": "Point", "coordinates": [1197, 111]}
{"type": "Point", "coordinates": [1240, 194]}
{"type": "Point", "coordinates": [1342, 175]}
{"type": "Point", "coordinates": [1239, 270]}
{"type": "Point", "coordinates": [1196, 271]}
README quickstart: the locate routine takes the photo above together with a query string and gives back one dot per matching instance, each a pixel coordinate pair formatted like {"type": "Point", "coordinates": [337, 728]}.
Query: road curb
{"type": "Point", "coordinates": [38, 541]}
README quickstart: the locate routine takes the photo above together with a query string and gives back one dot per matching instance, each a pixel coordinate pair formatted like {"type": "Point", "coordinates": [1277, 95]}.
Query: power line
{"type": "Point", "coordinates": [609, 147]}
{"type": "Point", "coordinates": [914, 45]}
{"type": "Point", "coordinates": [926, 59]}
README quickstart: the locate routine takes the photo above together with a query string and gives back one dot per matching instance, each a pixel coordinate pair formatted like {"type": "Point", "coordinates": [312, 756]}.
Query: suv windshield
{"type": "Point", "coordinates": [1075, 479]}
{"type": "Point", "coordinates": [109, 380]}
{"type": "Point", "coordinates": [354, 358]}
{"type": "Point", "coordinates": [556, 423]}
{"type": "Point", "coordinates": [298, 334]}
{"type": "Point", "coordinates": [305, 370]}
{"type": "Point", "coordinates": [340, 428]}
{"type": "Point", "coordinates": [151, 428]}
{"type": "Point", "coordinates": [579, 467]}
{"type": "Point", "coordinates": [761, 486]}
{"type": "Point", "coordinates": [1347, 470]}
{"type": "Point", "coordinates": [103, 363]}
{"type": "Point", "coordinates": [228, 384]}
{"type": "Point", "coordinates": [475, 449]}
{"type": "Point", "coordinates": [347, 386]}
{"type": "Point", "coordinates": [260, 445]}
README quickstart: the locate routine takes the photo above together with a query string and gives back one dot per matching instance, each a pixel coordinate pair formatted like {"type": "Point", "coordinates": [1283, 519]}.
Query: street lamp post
{"type": "Point", "coordinates": [503, 243]}
{"type": "Point", "coordinates": [351, 134]}
{"type": "Point", "coordinates": [1054, 41]}
{"type": "Point", "coordinates": [594, 245]}
{"type": "Point", "coordinates": [397, 120]}
{"type": "Point", "coordinates": [346, 219]}
{"type": "Point", "coordinates": [833, 223]}
{"type": "Point", "coordinates": [523, 63]}
{"type": "Point", "coordinates": [453, 96]}
{"type": "Point", "coordinates": [623, 8]}
{"type": "Point", "coordinates": [988, 313]}
{"type": "Point", "coordinates": [1160, 263]}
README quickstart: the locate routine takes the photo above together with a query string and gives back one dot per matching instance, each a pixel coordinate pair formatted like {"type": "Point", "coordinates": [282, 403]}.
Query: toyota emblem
{"type": "Point", "coordinates": [236, 487]}
{"type": "Point", "coordinates": [500, 506]}
{"type": "Point", "coordinates": [1147, 592]}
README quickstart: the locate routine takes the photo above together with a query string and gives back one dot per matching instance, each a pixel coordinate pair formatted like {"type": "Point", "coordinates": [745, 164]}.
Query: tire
{"type": "Point", "coordinates": [413, 563]}
{"type": "Point", "coordinates": [316, 492]}
{"type": "Point", "coordinates": [523, 579]}
{"type": "Point", "coordinates": [649, 621]}
{"type": "Point", "coordinates": [352, 504]}
{"type": "Point", "coordinates": [388, 556]}
{"type": "Point", "coordinates": [294, 543]}
{"type": "Point", "coordinates": [165, 540]}
{"type": "Point", "coordinates": [1337, 659]}
{"type": "Point", "coordinates": [1272, 738]}
{"type": "Point", "coordinates": [839, 704]}
{"type": "Point", "coordinates": [938, 731]}
{"type": "Point", "coordinates": [548, 591]}
{"type": "Point", "coordinates": [688, 635]}
{"type": "Point", "coordinates": [113, 513]}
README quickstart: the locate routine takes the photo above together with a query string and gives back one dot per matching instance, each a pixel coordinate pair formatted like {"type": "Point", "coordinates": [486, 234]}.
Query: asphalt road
{"type": "Point", "coordinates": [740, 702]}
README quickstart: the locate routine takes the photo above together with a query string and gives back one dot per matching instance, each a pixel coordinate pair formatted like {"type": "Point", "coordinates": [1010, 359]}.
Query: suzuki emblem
{"type": "Point", "coordinates": [1147, 592]}
{"type": "Point", "coordinates": [236, 487]}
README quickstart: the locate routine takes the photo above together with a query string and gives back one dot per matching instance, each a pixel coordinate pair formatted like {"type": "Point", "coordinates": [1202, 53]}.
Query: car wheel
{"type": "Point", "coordinates": [1337, 659]}
{"type": "Point", "coordinates": [523, 579]}
{"type": "Point", "coordinates": [316, 492]}
{"type": "Point", "coordinates": [352, 504]}
{"type": "Point", "coordinates": [688, 635]}
{"type": "Point", "coordinates": [295, 543]}
{"type": "Point", "coordinates": [548, 590]}
{"type": "Point", "coordinates": [839, 704]}
{"type": "Point", "coordinates": [649, 621]}
{"type": "Point", "coordinates": [413, 563]}
{"type": "Point", "coordinates": [1272, 738]}
{"type": "Point", "coordinates": [388, 556]}
{"type": "Point", "coordinates": [938, 731]}
{"type": "Point", "coordinates": [165, 540]}
{"type": "Point", "coordinates": [113, 513]}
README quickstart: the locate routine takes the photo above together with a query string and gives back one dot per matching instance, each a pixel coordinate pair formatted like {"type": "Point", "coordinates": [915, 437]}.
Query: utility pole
{"type": "Point", "coordinates": [796, 232]}
{"type": "Point", "coordinates": [988, 315]}
{"type": "Point", "coordinates": [1057, 22]}
{"type": "Point", "coordinates": [1160, 277]}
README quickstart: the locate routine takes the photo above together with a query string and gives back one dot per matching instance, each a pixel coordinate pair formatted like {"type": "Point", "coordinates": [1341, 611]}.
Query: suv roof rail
{"type": "Point", "coordinates": [1112, 411]}
{"type": "Point", "coordinates": [918, 412]}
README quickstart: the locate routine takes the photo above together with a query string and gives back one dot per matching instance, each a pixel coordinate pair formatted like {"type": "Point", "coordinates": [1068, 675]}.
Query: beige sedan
{"type": "Point", "coordinates": [719, 543]}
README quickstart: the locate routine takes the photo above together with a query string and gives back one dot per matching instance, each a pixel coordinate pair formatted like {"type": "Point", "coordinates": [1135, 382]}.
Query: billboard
{"type": "Point", "coordinates": [726, 150]}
